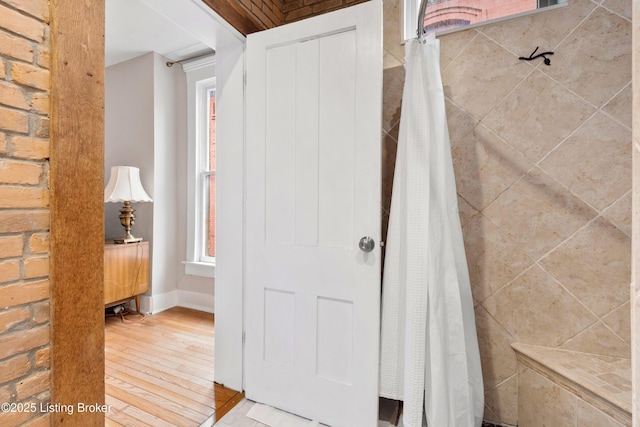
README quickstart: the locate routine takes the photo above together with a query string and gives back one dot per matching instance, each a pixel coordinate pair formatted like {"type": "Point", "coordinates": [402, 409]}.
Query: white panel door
{"type": "Point", "coordinates": [313, 191]}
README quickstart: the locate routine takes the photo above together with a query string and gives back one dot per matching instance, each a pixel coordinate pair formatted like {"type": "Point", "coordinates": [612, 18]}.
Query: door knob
{"type": "Point", "coordinates": [366, 244]}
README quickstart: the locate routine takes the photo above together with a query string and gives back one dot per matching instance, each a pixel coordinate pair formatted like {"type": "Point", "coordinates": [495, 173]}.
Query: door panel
{"type": "Point", "coordinates": [313, 190]}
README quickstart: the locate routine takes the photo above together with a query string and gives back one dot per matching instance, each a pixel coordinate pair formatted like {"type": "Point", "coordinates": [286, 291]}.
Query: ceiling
{"type": "Point", "coordinates": [132, 28]}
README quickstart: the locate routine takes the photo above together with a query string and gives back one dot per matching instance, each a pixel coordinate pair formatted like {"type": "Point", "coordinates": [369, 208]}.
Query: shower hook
{"type": "Point", "coordinates": [547, 61]}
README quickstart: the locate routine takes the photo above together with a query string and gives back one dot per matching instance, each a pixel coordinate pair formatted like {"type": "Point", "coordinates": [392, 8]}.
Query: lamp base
{"type": "Point", "coordinates": [125, 240]}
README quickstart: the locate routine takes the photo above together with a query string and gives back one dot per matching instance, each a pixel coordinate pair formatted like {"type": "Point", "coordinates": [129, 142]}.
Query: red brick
{"type": "Point", "coordinates": [13, 96]}
{"type": "Point", "coordinates": [2, 72]}
{"type": "Point", "coordinates": [22, 293]}
{"type": "Point", "coordinates": [43, 358]}
{"type": "Point", "coordinates": [29, 75]}
{"type": "Point", "coordinates": [326, 6]}
{"type": "Point", "coordinates": [3, 143]}
{"type": "Point", "coordinates": [266, 9]}
{"type": "Point", "coordinates": [40, 102]}
{"type": "Point", "coordinates": [33, 384]}
{"type": "Point", "coordinates": [9, 271]}
{"type": "Point", "coordinates": [11, 246]}
{"type": "Point", "coordinates": [5, 394]}
{"type": "Point", "coordinates": [16, 172]}
{"type": "Point", "coordinates": [43, 57]}
{"type": "Point", "coordinates": [24, 220]}
{"type": "Point", "coordinates": [14, 418]}
{"type": "Point", "coordinates": [23, 341]}
{"type": "Point", "coordinates": [36, 8]}
{"type": "Point", "coordinates": [12, 317]}
{"type": "Point", "coordinates": [15, 47]}
{"type": "Point", "coordinates": [36, 267]}
{"type": "Point", "coordinates": [23, 197]}
{"type": "Point", "coordinates": [292, 5]}
{"type": "Point", "coordinates": [39, 243]}
{"type": "Point", "coordinates": [41, 312]}
{"type": "Point", "coordinates": [261, 16]}
{"type": "Point", "coordinates": [41, 127]}
{"type": "Point", "coordinates": [294, 15]}
{"type": "Point", "coordinates": [13, 368]}
{"type": "Point", "coordinates": [21, 24]}
{"type": "Point", "coordinates": [25, 147]}
{"type": "Point", "coordinates": [16, 121]}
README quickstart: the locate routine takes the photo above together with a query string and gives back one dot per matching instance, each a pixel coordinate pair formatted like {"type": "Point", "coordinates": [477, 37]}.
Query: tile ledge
{"type": "Point", "coordinates": [547, 361]}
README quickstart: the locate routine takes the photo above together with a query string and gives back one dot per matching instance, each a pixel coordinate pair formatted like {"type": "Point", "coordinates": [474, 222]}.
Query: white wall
{"type": "Point", "coordinates": [129, 138]}
{"type": "Point", "coordinates": [146, 127]}
{"type": "Point", "coordinates": [168, 129]}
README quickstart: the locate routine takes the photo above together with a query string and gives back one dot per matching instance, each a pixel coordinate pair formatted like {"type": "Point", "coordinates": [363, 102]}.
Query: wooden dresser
{"type": "Point", "coordinates": [126, 272]}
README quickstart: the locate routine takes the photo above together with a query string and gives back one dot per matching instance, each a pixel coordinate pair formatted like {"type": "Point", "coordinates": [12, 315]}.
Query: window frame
{"type": "Point", "coordinates": [200, 80]}
{"type": "Point", "coordinates": [409, 18]}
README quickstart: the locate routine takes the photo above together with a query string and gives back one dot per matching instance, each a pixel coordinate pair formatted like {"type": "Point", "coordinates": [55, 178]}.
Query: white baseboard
{"type": "Point", "coordinates": [194, 300]}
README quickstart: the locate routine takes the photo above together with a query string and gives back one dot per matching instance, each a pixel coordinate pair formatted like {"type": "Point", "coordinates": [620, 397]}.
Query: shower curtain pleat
{"type": "Point", "coordinates": [429, 349]}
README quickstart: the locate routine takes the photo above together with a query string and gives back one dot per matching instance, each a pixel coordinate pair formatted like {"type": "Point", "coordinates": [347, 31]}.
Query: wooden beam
{"type": "Point", "coordinates": [77, 219]}
{"type": "Point", "coordinates": [237, 15]}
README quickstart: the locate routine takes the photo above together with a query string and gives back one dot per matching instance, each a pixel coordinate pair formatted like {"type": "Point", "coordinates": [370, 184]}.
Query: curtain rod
{"type": "Point", "coordinates": [170, 63]}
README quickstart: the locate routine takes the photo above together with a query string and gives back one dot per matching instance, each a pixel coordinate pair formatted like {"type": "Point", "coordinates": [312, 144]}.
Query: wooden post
{"type": "Point", "coordinates": [77, 229]}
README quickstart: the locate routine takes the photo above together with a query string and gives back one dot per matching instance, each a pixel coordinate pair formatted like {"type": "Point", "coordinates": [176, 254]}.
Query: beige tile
{"type": "Point", "coordinates": [498, 360]}
{"type": "Point", "coordinates": [598, 339]}
{"type": "Point", "coordinates": [616, 381]}
{"type": "Point", "coordinates": [534, 309]}
{"type": "Point", "coordinates": [485, 166]}
{"type": "Point", "coordinates": [621, 7]}
{"type": "Point", "coordinates": [390, 61]}
{"type": "Point", "coordinates": [588, 416]}
{"type": "Point", "coordinates": [478, 92]}
{"type": "Point", "coordinates": [619, 213]}
{"type": "Point", "coordinates": [541, 403]}
{"type": "Point", "coordinates": [503, 401]}
{"type": "Point", "coordinates": [460, 123]}
{"type": "Point", "coordinates": [451, 45]}
{"type": "Point", "coordinates": [391, 31]}
{"type": "Point", "coordinates": [595, 162]}
{"type": "Point", "coordinates": [492, 258]}
{"type": "Point", "coordinates": [393, 84]}
{"type": "Point", "coordinates": [490, 416]}
{"type": "Point", "coordinates": [594, 265]}
{"type": "Point", "coordinates": [466, 211]}
{"type": "Point", "coordinates": [538, 213]}
{"type": "Point", "coordinates": [595, 60]}
{"type": "Point", "coordinates": [538, 115]}
{"type": "Point", "coordinates": [619, 320]}
{"type": "Point", "coordinates": [546, 29]}
{"type": "Point", "coordinates": [388, 163]}
{"type": "Point", "coordinates": [620, 106]}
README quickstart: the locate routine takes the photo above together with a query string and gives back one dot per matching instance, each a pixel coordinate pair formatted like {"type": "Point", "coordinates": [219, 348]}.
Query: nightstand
{"type": "Point", "coordinates": [126, 272]}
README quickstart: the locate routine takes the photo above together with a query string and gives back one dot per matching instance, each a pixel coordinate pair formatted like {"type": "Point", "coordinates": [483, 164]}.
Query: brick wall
{"type": "Point", "coordinates": [295, 10]}
{"type": "Point", "coordinates": [24, 209]}
{"type": "Point", "coordinates": [268, 12]}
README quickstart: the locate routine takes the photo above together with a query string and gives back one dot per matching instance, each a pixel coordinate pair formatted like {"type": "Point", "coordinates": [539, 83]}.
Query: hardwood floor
{"type": "Point", "coordinates": [160, 372]}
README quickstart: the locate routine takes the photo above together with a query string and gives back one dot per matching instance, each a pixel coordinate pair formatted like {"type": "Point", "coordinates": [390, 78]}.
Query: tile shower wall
{"type": "Point", "coordinates": [542, 156]}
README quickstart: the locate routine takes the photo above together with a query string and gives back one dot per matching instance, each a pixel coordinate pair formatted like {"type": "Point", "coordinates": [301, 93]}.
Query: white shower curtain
{"type": "Point", "coordinates": [429, 347]}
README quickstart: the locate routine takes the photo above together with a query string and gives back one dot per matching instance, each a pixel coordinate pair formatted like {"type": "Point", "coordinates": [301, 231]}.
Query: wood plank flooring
{"type": "Point", "coordinates": [160, 372]}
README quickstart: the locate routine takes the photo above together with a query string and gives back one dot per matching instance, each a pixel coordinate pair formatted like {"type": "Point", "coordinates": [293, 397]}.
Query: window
{"type": "Point", "coordinates": [444, 16]}
{"type": "Point", "coordinates": [208, 178]}
{"type": "Point", "coordinates": [201, 169]}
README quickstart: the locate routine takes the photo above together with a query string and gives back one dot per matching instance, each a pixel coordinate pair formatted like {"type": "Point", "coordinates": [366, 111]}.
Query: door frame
{"type": "Point", "coordinates": [76, 270]}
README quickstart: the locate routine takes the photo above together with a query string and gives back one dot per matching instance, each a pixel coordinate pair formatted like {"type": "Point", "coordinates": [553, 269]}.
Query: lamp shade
{"type": "Point", "coordinates": [125, 186]}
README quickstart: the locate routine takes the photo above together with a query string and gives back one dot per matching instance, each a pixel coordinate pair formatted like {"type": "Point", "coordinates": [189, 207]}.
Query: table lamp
{"type": "Point", "coordinates": [125, 186]}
